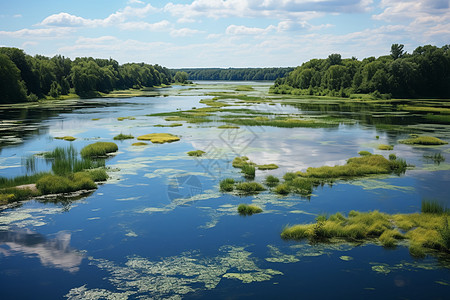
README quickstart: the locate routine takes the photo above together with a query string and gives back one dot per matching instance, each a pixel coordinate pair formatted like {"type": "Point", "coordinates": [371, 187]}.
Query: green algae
{"type": "Point", "coordinates": [276, 256]}
{"type": "Point", "coordinates": [345, 258]}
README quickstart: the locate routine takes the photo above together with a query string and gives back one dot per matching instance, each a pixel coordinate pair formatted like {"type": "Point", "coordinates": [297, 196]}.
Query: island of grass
{"type": "Point", "coordinates": [66, 138]}
{"type": "Point", "coordinates": [196, 153]}
{"type": "Point", "coordinates": [243, 162]}
{"type": "Point", "coordinates": [228, 127]}
{"type": "Point", "coordinates": [425, 232]}
{"type": "Point", "coordinates": [121, 137]}
{"type": "Point", "coordinates": [125, 118]}
{"type": "Point", "coordinates": [69, 174]}
{"type": "Point", "coordinates": [159, 138]}
{"type": "Point", "coordinates": [139, 144]}
{"type": "Point", "coordinates": [98, 149]}
{"type": "Point", "coordinates": [423, 140]}
{"type": "Point", "coordinates": [248, 210]}
{"type": "Point", "coordinates": [168, 125]}
{"type": "Point", "coordinates": [246, 187]}
{"type": "Point", "coordinates": [385, 147]}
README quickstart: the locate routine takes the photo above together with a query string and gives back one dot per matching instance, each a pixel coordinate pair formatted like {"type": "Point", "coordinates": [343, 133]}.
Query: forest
{"type": "Point", "coordinates": [423, 73]}
{"type": "Point", "coordinates": [27, 78]}
{"type": "Point", "coordinates": [237, 74]}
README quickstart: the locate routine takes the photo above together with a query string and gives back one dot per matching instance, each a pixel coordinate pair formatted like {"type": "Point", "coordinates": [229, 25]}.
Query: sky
{"type": "Point", "coordinates": [221, 33]}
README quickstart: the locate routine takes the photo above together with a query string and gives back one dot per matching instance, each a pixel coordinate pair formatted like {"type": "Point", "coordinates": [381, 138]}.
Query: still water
{"type": "Point", "coordinates": [160, 228]}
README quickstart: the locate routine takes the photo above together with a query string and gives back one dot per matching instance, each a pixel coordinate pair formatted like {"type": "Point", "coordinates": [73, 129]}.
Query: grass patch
{"type": "Point", "coordinates": [267, 167]}
{"type": "Point", "coordinates": [20, 180]}
{"type": "Point", "coordinates": [423, 140]}
{"type": "Point", "coordinates": [271, 181]}
{"type": "Point", "coordinates": [248, 210]}
{"type": "Point", "coordinates": [66, 138]}
{"type": "Point", "coordinates": [228, 127]}
{"type": "Point", "coordinates": [125, 118]}
{"type": "Point", "coordinates": [227, 185]}
{"type": "Point", "coordinates": [282, 189]}
{"type": "Point", "coordinates": [281, 122]}
{"type": "Point", "coordinates": [425, 232]}
{"type": "Point", "coordinates": [364, 153]}
{"type": "Point", "coordinates": [433, 207]}
{"type": "Point", "coordinates": [444, 119]}
{"type": "Point", "coordinates": [159, 138]}
{"type": "Point", "coordinates": [121, 137]}
{"type": "Point", "coordinates": [139, 144]}
{"type": "Point", "coordinates": [213, 102]}
{"type": "Point", "coordinates": [196, 153]}
{"type": "Point", "coordinates": [169, 125]}
{"type": "Point", "coordinates": [385, 147]}
{"type": "Point", "coordinates": [54, 184]}
{"type": "Point", "coordinates": [240, 161]}
{"type": "Point", "coordinates": [249, 187]}
{"type": "Point", "coordinates": [244, 88]}
{"type": "Point", "coordinates": [248, 171]}
{"type": "Point", "coordinates": [440, 110]}
{"type": "Point", "coordinates": [98, 149]}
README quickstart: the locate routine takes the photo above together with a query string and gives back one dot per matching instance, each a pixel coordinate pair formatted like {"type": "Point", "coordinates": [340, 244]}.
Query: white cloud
{"type": "Point", "coordinates": [183, 32]}
{"type": "Point", "coordinates": [158, 26]}
{"type": "Point", "coordinates": [34, 34]}
{"type": "Point", "coordinates": [244, 30]}
{"type": "Point", "coordinates": [135, 2]}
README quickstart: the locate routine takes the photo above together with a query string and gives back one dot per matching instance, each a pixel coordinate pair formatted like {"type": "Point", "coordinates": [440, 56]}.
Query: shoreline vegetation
{"type": "Point", "coordinates": [69, 173]}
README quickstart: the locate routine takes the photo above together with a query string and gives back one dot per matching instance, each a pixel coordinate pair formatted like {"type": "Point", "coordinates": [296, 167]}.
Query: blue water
{"type": "Point", "coordinates": [160, 228]}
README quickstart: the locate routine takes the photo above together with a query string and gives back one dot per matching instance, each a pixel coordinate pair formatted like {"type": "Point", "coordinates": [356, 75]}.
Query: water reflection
{"type": "Point", "coordinates": [55, 253]}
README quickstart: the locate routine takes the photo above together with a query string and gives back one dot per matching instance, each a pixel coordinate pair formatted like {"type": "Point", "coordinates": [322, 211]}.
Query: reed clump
{"type": "Point", "coordinates": [249, 187]}
{"type": "Point", "coordinates": [271, 181]}
{"type": "Point", "coordinates": [98, 149]}
{"type": "Point", "coordinates": [248, 210]}
{"type": "Point", "coordinates": [227, 185]}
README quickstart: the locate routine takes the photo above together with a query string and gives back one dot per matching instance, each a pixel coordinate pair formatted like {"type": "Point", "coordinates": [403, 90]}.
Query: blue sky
{"type": "Point", "coordinates": [221, 33]}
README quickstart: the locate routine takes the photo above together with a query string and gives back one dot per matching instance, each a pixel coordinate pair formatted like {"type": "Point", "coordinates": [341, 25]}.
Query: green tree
{"type": "Point", "coordinates": [11, 84]}
{"type": "Point", "coordinates": [181, 77]}
{"type": "Point", "coordinates": [397, 51]}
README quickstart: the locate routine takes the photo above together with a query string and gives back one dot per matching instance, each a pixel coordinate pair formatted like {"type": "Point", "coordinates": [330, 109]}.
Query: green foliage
{"type": "Point", "coordinates": [98, 149]}
{"type": "Point", "coordinates": [282, 189]}
{"type": "Point", "coordinates": [248, 210]}
{"type": "Point", "coordinates": [248, 74]}
{"type": "Point", "coordinates": [401, 75]}
{"type": "Point", "coordinates": [385, 147]}
{"type": "Point", "coordinates": [227, 185]}
{"type": "Point", "coordinates": [364, 153]}
{"type": "Point", "coordinates": [181, 77]}
{"type": "Point", "coordinates": [12, 87]}
{"type": "Point", "coordinates": [249, 187]}
{"type": "Point", "coordinates": [249, 171]}
{"type": "Point", "coordinates": [392, 156]}
{"type": "Point", "coordinates": [20, 180]}
{"type": "Point", "coordinates": [271, 181]}
{"type": "Point", "coordinates": [196, 153]}
{"type": "Point", "coordinates": [423, 140]}
{"type": "Point", "coordinates": [433, 207]}
{"type": "Point", "coordinates": [122, 136]}
{"type": "Point", "coordinates": [437, 158]}
{"type": "Point", "coordinates": [53, 184]}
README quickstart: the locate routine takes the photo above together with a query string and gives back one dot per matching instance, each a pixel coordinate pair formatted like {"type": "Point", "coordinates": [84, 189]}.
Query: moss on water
{"type": "Point", "coordinates": [139, 144]}
{"type": "Point", "coordinates": [122, 136]}
{"type": "Point", "coordinates": [423, 140]}
{"type": "Point", "coordinates": [196, 153]}
{"type": "Point", "coordinates": [385, 147]}
{"type": "Point", "coordinates": [159, 138]}
{"type": "Point", "coordinates": [66, 138]}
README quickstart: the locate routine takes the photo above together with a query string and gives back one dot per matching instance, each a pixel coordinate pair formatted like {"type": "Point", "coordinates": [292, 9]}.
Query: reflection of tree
{"type": "Point", "coordinates": [55, 253]}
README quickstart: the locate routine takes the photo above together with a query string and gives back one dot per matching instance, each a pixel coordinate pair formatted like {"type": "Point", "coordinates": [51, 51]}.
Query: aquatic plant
{"type": "Point", "coordinates": [282, 189]}
{"type": "Point", "coordinates": [248, 171]}
{"type": "Point", "coordinates": [392, 156]}
{"type": "Point", "coordinates": [433, 207]}
{"type": "Point", "coordinates": [20, 180]}
{"type": "Point", "coordinates": [248, 210]}
{"type": "Point", "coordinates": [66, 138]}
{"type": "Point", "coordinates": [437, 158]}
{"type": "Point", "coordinates": [54, 184]}
{"type": "Point", "coordinates": [364, 153]}
{"type": "Point", "coordinates": [168, 125]}
{"type": "Point", "coordinates": [98, 149]}
{"type": "Point", "coordinates": [424, 232]}
{"type": "Point", "coordinates": [239, 162]}
{"type": "Point", "coordinates": [385, 147]}
{"type": "Point", "coordinates": [244, 88]}
{"type": "Point", "coordinates": [423, 140]}
{"type": "Point", "coordinates": [197, 153]}
{"type": "Point", "coordinates": [125, 118]}
{"type": "Point", "coordinates": [139, 144]}
{"type": "Point", "coordinates": [271, 181]}
{"type": "Point", "coordinates": [267, 167]}
{"type": "Point", "coordinates": [249, 187]}
{"type": "Point", "coordinates": [159, 138]}
{"type": "Point", "coordinates": [122, 136]}
{"type": "Point", "coordinates": [227, 185]}
{"type": "Point", "coordinates": [228, 127]}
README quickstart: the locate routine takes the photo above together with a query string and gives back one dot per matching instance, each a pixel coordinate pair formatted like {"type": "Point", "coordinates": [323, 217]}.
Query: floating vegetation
{"type": "Point", "coordinates": [99, 149]}
{"type": "Point", "coordinates": [423, 140]}
{"type": "Point", "coordinates": [228, 127]}
{"type": "Point", "coordinates": [425, 232]}
{"type": "Point", "coordinates": [271, 181]}
{"type": "Point", "coordinates": [174, 277]}
{"type": "Point", "coordinates": [139, 144]}
{"type": "Point", "coordinates": [122, 136]}
{"type": "Point", "coordinates": [437, 158]}
{"type": "Point", "coordinates": [249, 187]}
{"type": "Point", "coordinates": [364, 153]}
{"type": "Point", "coordinates": [248, 210]}
{"type": "Point", "coordinates": [244, 88]}
{"type": "Point", "coordinates": [385, 147]}
{"type": "Point", "coordinates": [239, 162]}
{"type": "Point", "coordinates": [267, 167]}
{"type": "Point", "coordinates": [196, 153]}
{"type": "Point", "coordinates": [345, 258]}
{"type": "Point", "coordinates": [66, 138]}
{"type": "Point", "coordinates": [169, 125]}
{"type": "Point", "coordinates": [227, 185]}
{"type": "Point", "coordinates": [159, 138]}
{"type": "Point", "coordinates": [283, 122]}
{"type": "Point", "coordinates": [213, 102]}
{"type": "Point", "coordinates": [125, 118]}
{"type": "Point", "coordinates": [95, 119]}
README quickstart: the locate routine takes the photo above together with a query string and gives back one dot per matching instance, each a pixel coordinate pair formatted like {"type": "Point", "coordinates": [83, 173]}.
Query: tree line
{"type": "Point", "coordinates": [29, 78]}
{"type": "Point", "coordinates": [423, 73]}
{"type": "Point", "coordinates": [237, 74]}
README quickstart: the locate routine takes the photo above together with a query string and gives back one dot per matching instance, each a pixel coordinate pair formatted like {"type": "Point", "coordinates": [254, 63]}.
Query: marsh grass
{"type": "Point", "coordinates": [125, 118]}
{"type": "Point", "coordinates": [364, 153]}
{"type": "Point", "coordinates": [267, 167]}
{"type": "Point", "coordinates": [98, 149]}
{"type": "Point", "coordinates": [240, 161]}
{"type": "Point", "coordinates": [20, 180]}
{"type": "Point", "coordinates": [228, 127]}
{"type": "Point", "coordinates": [433, 207]}
{"type": "Point", "coordinates": [385, 147]}
{"type": "Point", "coordinates": [54, 184]}
{"type": "Point", "coordinates": [281, 122]}
{"type": "Point", "coordinates": [168, 125]}
{"type": "Point", "coordinates": [248, 171]}
{"type": "Point", "coordinates": [423, 140]}
{"type": "Point", "coordinates": [244, 88]}
{"type": "Point", "coordinates": [392, 156]}
{"type": "Point", "coordinates": [271, 181]}
{"type": "Point", "coordinates": [425, 232]}
{"type": "Point", "coordinates": [121, 137]}
{"type": "Point", "coordinates": [282, 189]}
{"type": "Point", "coordinates": [66, 138]}
{"type": "Point", "coordinates": [249, 187]}
{"type": "Point", "coordinates": [248, 210]}
{"type": "Point", "coordinates": [139, 144]}
{"type": "Point", "coordinates": [159, 138]}
{"type": "Point", "coordinates": [227, 185]}
{"type": "Point", "coordinates": [196, 153]}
